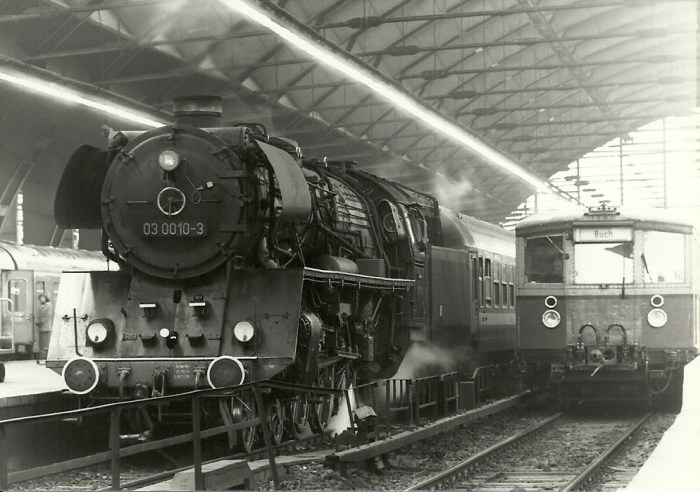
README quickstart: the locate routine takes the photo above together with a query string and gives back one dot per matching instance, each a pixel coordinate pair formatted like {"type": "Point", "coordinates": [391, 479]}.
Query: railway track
{"type": "Point", "coordinates": [315, 441]}
{"type": "Point", "coordinates": [562, 453]}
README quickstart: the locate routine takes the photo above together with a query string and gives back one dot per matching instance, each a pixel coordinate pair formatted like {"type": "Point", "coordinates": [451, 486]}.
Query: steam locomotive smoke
{"type": "Point", "coordinates": [451, 192]}
{"type": "Point", "coordinates": [423, 360]}
{"type": "Point", "coordinates": [341, 421]}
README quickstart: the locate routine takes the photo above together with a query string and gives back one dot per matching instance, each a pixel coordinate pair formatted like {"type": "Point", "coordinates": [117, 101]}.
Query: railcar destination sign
{"type": "Point", "coordinates": [602, 234]}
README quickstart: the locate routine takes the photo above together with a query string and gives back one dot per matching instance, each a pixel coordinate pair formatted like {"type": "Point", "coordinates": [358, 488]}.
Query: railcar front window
{"type": "Point", "coordinates": [603, 263]}
{"type": "Point", "coordinates": [663, 259]}
{"type": "Point", "coordinates": [544, 259]}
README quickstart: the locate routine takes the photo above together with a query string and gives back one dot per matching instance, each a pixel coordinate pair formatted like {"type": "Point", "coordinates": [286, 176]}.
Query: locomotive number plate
{"type": "Point", "coordinates": [174, 229]}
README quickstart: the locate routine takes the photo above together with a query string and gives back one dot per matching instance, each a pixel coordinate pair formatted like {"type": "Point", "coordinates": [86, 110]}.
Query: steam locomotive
{"type": "Point", "coordinates": [243, 261]}
{"type": "Point", "coordinates": [608, 303]}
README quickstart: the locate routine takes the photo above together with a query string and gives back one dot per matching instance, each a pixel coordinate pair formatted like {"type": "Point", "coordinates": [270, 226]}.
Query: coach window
{"type": "Point", "coordinates": [663, 258]}
{"type": "Point", "coordinates": [18, 294]}
{"type": "Point", "coordinates": [511, 286]}
{"type": "Point", "coordinates": [487, 281]}
{"type": "Point", "coordinates": [497, 285]}
{"type": "Point", "coordinates": [544, 259]}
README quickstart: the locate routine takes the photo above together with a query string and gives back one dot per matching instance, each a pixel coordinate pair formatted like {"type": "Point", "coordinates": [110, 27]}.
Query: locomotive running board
{"type": "Point", "coordinates": [357, 279]}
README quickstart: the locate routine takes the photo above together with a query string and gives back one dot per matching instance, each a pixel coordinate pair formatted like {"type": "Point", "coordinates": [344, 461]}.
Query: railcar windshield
{"type": "Point", "coordinates": [663, 258]}
{"type": "Point", "coordinates": [603, 263]}
{"type": "Point", "coordinates": [544, 260]}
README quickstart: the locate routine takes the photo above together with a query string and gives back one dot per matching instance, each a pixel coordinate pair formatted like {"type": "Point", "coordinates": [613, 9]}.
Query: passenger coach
{"type": "Point", "coordinates": [607, 302]}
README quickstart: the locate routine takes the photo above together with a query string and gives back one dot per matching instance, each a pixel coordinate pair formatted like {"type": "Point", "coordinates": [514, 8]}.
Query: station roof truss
{"type": "Point", "coordinates": [541, 82]}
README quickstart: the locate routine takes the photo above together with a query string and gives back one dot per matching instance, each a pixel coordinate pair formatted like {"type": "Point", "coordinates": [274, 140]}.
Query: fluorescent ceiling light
{"type": "Point", "coordinates": [56, 91]}
{"type": "Point", "coordinates": [399, 100]}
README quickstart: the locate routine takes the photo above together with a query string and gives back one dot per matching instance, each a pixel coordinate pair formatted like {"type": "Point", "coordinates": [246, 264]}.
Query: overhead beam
{"type": "Point", "coordinates": [297, 33]}
{"type": "Point", "coordinates": [373, 21]}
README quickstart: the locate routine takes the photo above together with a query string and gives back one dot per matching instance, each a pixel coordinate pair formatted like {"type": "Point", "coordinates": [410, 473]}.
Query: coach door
{"type": "Point", "coordinates": [476, 265]}
{"type": "Point", "coordinates": [17, 287]}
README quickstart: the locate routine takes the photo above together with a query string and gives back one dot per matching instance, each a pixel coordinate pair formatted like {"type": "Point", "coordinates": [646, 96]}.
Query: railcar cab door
{"type": "Point", "coordinates": [17, 285]}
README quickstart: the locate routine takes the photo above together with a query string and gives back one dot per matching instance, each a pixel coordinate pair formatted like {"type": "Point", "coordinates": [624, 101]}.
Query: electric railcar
{"type": "Point", "coordinates": [242, 262]}
{"type": "Point", "coordinates": [607, 303]}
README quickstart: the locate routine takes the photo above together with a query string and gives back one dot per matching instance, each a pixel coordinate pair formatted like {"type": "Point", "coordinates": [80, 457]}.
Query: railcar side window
{"type": "Point", "coordinates": [544, 259]}
{"type": "Point", "coordinates": [663, 259]}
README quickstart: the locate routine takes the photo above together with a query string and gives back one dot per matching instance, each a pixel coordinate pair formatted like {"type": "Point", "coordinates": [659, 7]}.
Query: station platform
{"type": "Point", "coordinates": [29, 377]}
{"type": "Point", "coordinates": [31, 389]}
{"type": "Point", "coordinates": [674, 465]}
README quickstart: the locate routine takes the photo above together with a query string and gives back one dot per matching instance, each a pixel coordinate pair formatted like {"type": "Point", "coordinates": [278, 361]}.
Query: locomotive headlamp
{"type": "Point", "coordinates": [551, 318]}
{"type": "Point", "coordinates": [657, 318]}
{"type": "Point", "coordinates": [81, 375]}
{"type": "Point", "coordinates": [244, 331]}
{"type": "Point", "coordinates": [99, 332]}
{"type": "Point", "coordinates": [225, 371]}
{"type": "Point", "coordinates": [550, 302]}
{"type": "Point", "coordinates": [168, 160]}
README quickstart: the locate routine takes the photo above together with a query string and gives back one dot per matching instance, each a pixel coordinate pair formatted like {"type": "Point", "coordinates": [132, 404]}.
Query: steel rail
{"type": "Point", "coordinates": [369, 451]}
{"type": "Point", "coordinates": [462, 468]}
{"type": "Point", "coordinates": [587, 474]}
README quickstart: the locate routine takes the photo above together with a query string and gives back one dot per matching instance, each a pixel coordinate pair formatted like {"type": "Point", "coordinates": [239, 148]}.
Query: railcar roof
{"type": "Point", "coordinates": [636, 214]}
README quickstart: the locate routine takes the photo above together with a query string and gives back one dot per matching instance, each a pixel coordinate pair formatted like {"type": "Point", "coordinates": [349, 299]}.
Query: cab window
{"type": "Point", "coordinates": [544, 259]}
{"type": "Point", "coordinates": [603, 263]}
{"type": "Point", "coordinates": [663, 258]}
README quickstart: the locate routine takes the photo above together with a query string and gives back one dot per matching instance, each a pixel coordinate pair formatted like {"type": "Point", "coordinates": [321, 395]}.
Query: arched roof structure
{"type": "Point", "coordinates": [538, 83]}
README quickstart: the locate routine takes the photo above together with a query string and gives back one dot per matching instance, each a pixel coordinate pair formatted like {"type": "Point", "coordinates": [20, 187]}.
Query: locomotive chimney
{"type": "Point", "coordinates": [200, 111]}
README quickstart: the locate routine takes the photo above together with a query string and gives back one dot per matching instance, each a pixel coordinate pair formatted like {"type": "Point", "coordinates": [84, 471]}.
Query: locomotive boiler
{"type": "Point", "coordinates": [242, 261]}
{"type": "Point", "coordinates": [608, 302]}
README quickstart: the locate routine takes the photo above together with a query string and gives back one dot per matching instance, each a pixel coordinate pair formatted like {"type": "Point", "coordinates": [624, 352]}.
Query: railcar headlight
{"type": "Point", "coordinates": [244, 331]}
{"type": "Point", "coordinates": [657, 300]}
{"type": "Point", "coordinates": [657, 318]}
{"type": "Point", "coordinates": [168, 160]}
{"type": "Point", "coordinates": [99, 332]}
{"type": "Point", "coordinates": [550, 302]}
{"type": "Point", "coordinates": [551, 318]}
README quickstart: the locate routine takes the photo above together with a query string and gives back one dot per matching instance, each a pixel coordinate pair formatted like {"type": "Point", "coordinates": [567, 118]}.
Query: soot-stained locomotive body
{"type": "Point", "coordinates": [608, 302]}
{"type": "Point", "coordinates": [241, 261]}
